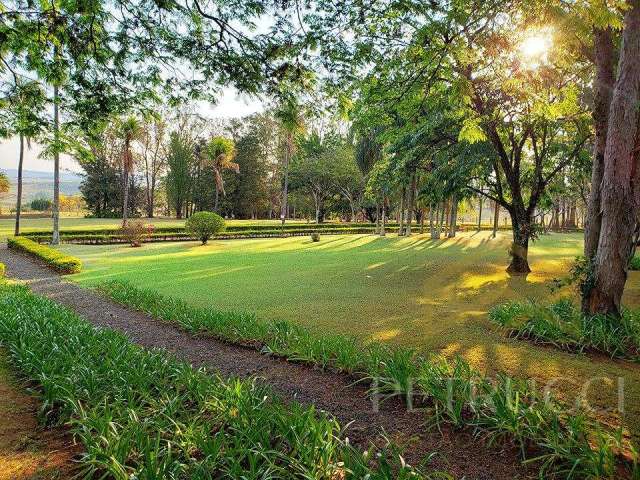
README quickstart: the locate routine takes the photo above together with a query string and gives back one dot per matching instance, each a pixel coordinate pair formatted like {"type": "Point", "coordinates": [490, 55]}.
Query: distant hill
{"type": "Point", "coordinates": [38, 185]}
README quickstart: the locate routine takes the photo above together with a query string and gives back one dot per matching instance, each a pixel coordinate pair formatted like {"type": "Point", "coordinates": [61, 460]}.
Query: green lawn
{"type": "Point", "coordinates": [432, 295]}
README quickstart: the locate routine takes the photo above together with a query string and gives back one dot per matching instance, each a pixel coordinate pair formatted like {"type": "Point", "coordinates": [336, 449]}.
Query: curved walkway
{"type": "Point", "coordinates": [457, 453]}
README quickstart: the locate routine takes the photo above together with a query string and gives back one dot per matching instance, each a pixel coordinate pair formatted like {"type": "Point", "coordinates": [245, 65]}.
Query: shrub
{"type": "Point", "coordinates": [136, 232]}
{"type": "Point", "coordinates": [562, 325]}
{"type": "Point", "coordinates": [2, 270]}
{"type": "Point", "coordinates": [164, 418]}
{"type": "Point", "coordinates": [41, 204]}
{"type": "Point", "coordinates": [204, 224]}
{"type": "Point", "coordinates": [52, 257]}
{"type": "Point", "coordinates": [635, 263]}
{"type": "Point", "coordinates": [315, 237]}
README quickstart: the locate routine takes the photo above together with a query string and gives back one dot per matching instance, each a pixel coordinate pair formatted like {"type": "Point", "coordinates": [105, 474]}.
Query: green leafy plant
{"type": "Point", "coordinates": [204, 225]}
{"type": "Point", "coordinates": [563, 325]}
{"type": "Point", "coordinates": [504, 411]}
{"type": "Point", "coordinates": [315, 237]}
{"type": "Point", "coordinates": [52, 257]}
{"type": "Point", "coordinates": [166, 419]}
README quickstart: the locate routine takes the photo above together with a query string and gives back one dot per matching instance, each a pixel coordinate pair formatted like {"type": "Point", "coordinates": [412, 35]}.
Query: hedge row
{"type": "Point", "coordinates": [52, 257]}
{"type": "Point", "coordinates": [183, 236]}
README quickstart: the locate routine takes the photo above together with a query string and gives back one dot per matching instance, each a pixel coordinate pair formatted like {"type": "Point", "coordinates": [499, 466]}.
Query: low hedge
{"type": "Point", "coordinates": [52, 257]}
{"type": "Point", "coordinates": [2, 270]}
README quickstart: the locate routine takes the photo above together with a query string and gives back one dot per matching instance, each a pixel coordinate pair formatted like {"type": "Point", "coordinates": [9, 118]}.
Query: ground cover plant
{"type": "Point", "coordinates": [563, 325]}
{"type": "Point", "coordinates": [52, 257]}
{"type": "Point", "coordinates": [503, 411]}
{"type": "Point", "coordinates": [165, 419]}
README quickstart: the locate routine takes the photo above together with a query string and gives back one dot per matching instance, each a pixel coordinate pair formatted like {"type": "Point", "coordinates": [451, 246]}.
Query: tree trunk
{"type": "Point", "coordinates": [454, 216]}
{"type": "Point", "coordinates": [383, 226]}
{"type": "Point", "coordinates": [521, 226]}
{"type": "Point", "coordinates": [401, 219]}
{"type": "Point", "coordinates": [410, 202]}
{"type": "Point", "coordinates": [620, 190]}
{"type": "Point", "coordinates": [55, 237]}
{"type": "Point", "coordinates": [377, 230]}
{"type": "Point", "coordinates": [496, 218]}
{"type": "Point", "coordinates": [480, 198]}
{"type": "Point", "coordinates": [421, 221]}
{"type": "Point", "coordinates": [603, 88]}
{"type": "Point", "coordinates": [441, 221]}
{"type": "Point", "coordinates": [125, 202]}
{"type": "Point", "coordinates": [285, 187]}
{"type": "Point", "coordinates": [432, 213]}
{"type": "Point", "coordinates": [19, 194]}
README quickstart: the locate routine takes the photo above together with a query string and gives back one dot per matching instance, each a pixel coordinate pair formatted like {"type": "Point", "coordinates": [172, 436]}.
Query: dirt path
{"type": "Point", "coordinates": [26, 450]}
{"type": "Point", "coordinates": [457, 453]}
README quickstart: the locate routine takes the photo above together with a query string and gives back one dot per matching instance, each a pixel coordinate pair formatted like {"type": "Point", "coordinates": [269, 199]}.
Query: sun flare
{"type": "Point", "coordinates": [534, 49]}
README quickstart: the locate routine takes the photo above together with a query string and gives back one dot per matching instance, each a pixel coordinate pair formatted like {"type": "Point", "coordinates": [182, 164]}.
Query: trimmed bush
{"type": "Point", "coordinates": [3, 270]}
{"type": "Point", "coordinates": [164, 419]}
{"type": "Point", "coordinates": [635, 263]}
{"type": "Point", "coordinates": [52, 257]}
{"type": "Point", "coordinates": [203, 225]}
{"type": "Point", "coordinates": [315, 237]}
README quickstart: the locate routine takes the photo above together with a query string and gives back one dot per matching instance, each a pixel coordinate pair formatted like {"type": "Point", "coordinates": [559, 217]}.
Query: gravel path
{"type": "Point", "coordinates": [458, 454]}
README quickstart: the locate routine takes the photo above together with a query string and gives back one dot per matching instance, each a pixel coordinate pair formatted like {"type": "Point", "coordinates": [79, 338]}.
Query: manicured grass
{"type": "Point", "coordinates": [431, 295]}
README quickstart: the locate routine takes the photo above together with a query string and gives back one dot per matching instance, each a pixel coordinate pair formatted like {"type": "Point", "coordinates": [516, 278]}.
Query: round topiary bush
{"type": "Point", "coordinates": [315, 237]}
{"type": "Point", "coordinates": [204, 224]}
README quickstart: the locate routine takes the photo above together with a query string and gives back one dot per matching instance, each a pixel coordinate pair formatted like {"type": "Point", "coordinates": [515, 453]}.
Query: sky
{"type": "Point", "coordinates": [231, 105]}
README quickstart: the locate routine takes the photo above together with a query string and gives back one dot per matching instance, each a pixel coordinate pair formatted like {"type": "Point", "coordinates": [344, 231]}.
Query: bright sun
{"type": "Point", "coordinates": [534, 49]}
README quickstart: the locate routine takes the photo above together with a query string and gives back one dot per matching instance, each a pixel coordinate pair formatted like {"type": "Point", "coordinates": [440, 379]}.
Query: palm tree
{"type": "Point", "coordinates": [291, 121]}
{"type": "Point", "coordinates": [130, 130]}
{"type": "Point", "coordinates": [220, 153]}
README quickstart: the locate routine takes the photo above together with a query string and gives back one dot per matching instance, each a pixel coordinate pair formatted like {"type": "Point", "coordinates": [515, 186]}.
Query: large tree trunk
{"type": "Point", "coordinates": [521, 226]}
{"type": "Point", "coordinates": [55, 237]}
{"type": "Point", "coordinates": [620, 190]}
{"type": "Point", "coordinates": [19, 194]}
{"type": "Point", "coordinates": [454, 216]}
{"type": "Point", "coordinates": [377, 218]}
{"type": "Point", "coordinates": [604, 52]}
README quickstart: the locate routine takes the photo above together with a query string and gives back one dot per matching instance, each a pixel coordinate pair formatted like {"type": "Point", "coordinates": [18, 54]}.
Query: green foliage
{"type": "Point", "coordinates": [563, 325]}
{"type": "Point", "coordinates": [52, 257]}
{"type": "Point", "coordinates": [315, 237]}
{"type": "Point", "coordinates": [178, 180]}
{"type": "Point", "coordinates": [163, 418]}
{"type": "Point", "coordinates": [204, 225]}
{"type": "Point", "coordinates": [505, 411]}
{"type": "Point", "coordinates": [41, 204]}
{"type": "Point", "coordinates": [634, 264]}
{"type": "Point", "coordinates": [3, 270]}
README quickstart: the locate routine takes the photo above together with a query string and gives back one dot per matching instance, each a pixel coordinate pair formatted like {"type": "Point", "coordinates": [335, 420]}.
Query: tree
{"type": "Point", "coordinates": [291, 122]}
{"type": "Point", "coordinates": [152, 140]}
{"type": "Point", "coordinates": [311, 172]}
{"type": "Point", "coordinates": [129, 130]}
{"type": "Point", "coordinates": [5, 184]}
{"type": "Point", "coordinates": [21, 109]}
{"type": "Point", "coordinates": [616, 216]}
{"type": "Point", "coordinates": [178, 180]}
{"type": "Point", "coordinates": [220, 153]}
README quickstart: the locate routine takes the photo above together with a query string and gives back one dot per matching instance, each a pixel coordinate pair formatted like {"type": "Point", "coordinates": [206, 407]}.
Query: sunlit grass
{"type": "Point", "coordinates": [431, 295]}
